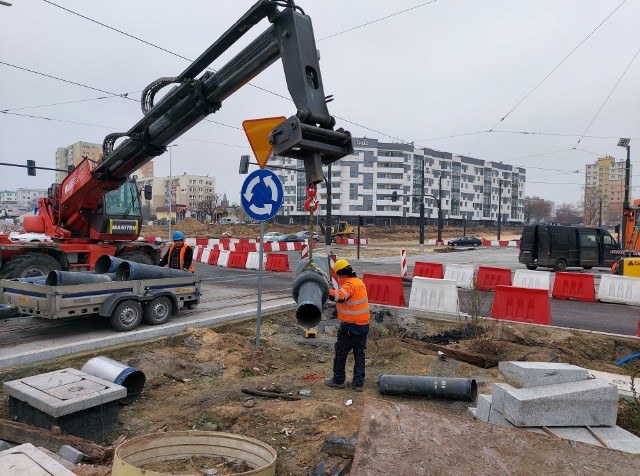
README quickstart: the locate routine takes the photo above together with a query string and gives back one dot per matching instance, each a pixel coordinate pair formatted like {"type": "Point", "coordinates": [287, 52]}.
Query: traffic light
{"type": "Point", "coordinates": [394, 196]}
{"type": "Point", "coordinates": [31, 168]}
{"type": "Point", "coordinates": [244, 164]}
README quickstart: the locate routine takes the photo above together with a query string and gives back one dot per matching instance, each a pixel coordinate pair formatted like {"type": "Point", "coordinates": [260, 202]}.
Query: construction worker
{"type": "Point", "coordinates": [352, 305]}
{"type": "Point", "coordinates": [180, 255]}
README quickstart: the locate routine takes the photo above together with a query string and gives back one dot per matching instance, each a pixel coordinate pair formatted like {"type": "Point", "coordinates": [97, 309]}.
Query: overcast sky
{"type": "Point", "coordinates": [443, 68]}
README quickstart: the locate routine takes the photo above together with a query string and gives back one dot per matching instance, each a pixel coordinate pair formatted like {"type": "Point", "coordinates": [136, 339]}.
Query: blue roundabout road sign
{"type": "Point", "coordinates": [261, 194]}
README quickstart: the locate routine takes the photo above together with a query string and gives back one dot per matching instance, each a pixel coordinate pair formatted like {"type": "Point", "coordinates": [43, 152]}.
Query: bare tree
{"type": "Point", "coordinates": [536, 209]}
{"type": "Point", "coordinates": [591, 206]}
{"type": "Point", "coordinates": [209, 205]}
{"type": "Point", "coordinates": [568, 214]}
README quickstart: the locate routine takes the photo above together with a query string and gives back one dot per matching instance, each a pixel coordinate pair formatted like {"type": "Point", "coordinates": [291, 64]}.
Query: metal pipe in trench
{"type": "Point", "coordinates": [450, 388]}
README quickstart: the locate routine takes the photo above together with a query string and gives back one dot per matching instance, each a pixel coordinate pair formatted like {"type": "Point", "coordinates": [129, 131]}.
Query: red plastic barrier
{"type": "Point", "coordinates": [213, 257]}
{"type": "Point", "coordinates": [252, 246]}
{"type": "Point", "coordinates": [428, 270]}
{"type": "Point", "coordinates": [382, 289]}
{"type": "Point", "coordinates": [202, 241]}
{"type": "Point", "coordinates": [277, 262]}
{"type": "Point", "coordinates": [488, 278]}
{"type": "Point", "coordinates": [522, 305]}
{"type": "Point", "coordinates": [238, 259]}
{"type": "Point", "coordinates": [199, 253]}
{"type": "Point", "coordinates": [503, 242]}
{"type": "Point", "coordinates": [638, 328]}
{"type": "Point", "coordinates": [580, 287]}
{"type": "Point", "coordinates": [242, 247]}
{"type": "Point", "coordinates": [486, 242]}
{"type": "Point", "coordinates": [225, 241]}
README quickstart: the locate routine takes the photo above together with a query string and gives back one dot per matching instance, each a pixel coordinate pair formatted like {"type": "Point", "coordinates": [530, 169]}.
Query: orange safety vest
{"type": "Point", "coordinates": [352, 302]}
{"type": "Point", "coordinates": [182, 251]}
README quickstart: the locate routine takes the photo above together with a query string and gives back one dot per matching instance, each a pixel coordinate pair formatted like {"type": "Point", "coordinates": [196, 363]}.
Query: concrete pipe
{"type": "Point", "coordinates": [128, 270]}
{"type": "Point", "coordinates": [65, 278]}
{"type": "Point", "coordinates": [310, 291]}
{"type": "Point", "coordinates": [464, 389]}
{"type": "Point", "coordinates": [113, 371]}
{"type": "Point", "coordinates": [108, 264]}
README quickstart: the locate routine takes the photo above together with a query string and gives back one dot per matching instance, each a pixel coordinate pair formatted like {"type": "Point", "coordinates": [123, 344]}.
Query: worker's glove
{"type": "Point", "coordinates": [332, 297]}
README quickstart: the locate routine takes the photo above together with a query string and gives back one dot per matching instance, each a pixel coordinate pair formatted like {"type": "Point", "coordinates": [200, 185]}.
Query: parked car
{"type": "Point", "coordinates": [271, 234]}
{"type": "Point", "coordinates": [29, 237]}
{"type": "Point", "coordinates": [465, 241]}
{"type": "Point", "coordinates": [305, 235]}
{"type": "Point", "coordinates": [287, 239]}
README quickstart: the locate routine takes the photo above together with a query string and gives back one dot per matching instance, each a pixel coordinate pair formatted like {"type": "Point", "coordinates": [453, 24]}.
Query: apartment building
{"type": "Point", "coordinates": [72, 155]}
{"type": "Point", "coordinates": [604, 184]}
{"type": "Point", "coordinates": [185, 190]}
{"type": "Point", "coordinates": [28, 197]}
{"type": "Point", "coordinates": [363, 184]}
{"type": "Point", "coordinates": [9, 197]}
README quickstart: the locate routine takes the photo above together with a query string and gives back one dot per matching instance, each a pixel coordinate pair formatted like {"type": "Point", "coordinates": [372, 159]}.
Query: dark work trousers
{"type": "Point", "coordinates": [346, 343]}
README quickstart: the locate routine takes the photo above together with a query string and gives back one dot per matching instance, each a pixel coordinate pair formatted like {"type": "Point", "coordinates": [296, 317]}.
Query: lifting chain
{"type": "Point", "coordinates": [311, 205]}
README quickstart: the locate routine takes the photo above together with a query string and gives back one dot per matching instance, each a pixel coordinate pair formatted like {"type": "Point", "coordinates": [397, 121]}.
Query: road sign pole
{"type": "Point", "coordinates": [260, 272]}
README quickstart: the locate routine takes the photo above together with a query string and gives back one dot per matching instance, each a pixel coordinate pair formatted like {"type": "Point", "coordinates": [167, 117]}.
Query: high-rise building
{"type": "Point", "coordinates": [146, 171]}
{"type": "Point", "coordinates": [72, 156]}
{"type": "Point", "coordinates": [604, 191]}
{"type": "Point", "coordinates": [363, 184]}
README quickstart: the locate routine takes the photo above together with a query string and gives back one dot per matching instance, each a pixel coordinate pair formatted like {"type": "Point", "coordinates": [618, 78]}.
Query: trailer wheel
{"type": "Point", "coordinates": [7, 311]}
{"type": "Point", "coordinates": [136, 257]}
{"type": "Point", "coordinates": [126, 316]}
{"type": "Point", "coordinates": [158, 311]}
{"type": "Point", "coordinates": [28, 265]}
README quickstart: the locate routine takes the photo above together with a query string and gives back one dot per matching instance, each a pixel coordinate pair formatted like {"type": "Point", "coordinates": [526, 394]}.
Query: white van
{"type": "Point", "coordinates": [230, 221]}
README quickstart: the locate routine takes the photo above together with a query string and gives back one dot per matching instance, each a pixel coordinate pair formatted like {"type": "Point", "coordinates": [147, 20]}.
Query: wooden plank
{"type": "Point", "coordinates": [461, 355]}
{"type": "Point", "coordinates": [21, 433]}
{"type": "Point", "coordinates": [400, 439]}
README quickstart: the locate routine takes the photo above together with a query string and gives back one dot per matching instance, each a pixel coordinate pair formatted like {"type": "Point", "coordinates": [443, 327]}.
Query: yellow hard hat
{"type": "Point", "coordinates": [340, 264]}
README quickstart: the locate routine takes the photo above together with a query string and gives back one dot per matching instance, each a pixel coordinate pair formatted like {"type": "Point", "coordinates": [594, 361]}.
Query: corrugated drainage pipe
{"type": "Point", "coordinates": [108, 264]}
{"type": "Point", "coordinates": [113, 371]}
{"type": "Point", "coordinates": [65, 278]}
{"type": "Point", "coordinates": [131, 456]}
{"type": "Point", "coordinates": [464, 389]}
{"type": "Point", "coordinates": [310, 291]}
{"type": "Point", "coordinates": [128, 270]}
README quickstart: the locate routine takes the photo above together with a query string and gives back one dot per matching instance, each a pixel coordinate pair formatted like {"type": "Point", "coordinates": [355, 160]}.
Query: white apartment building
{"type": "Point", "coordinates": [363, 184]}
{"type": "Point", "coordinates": [28, 197]}
{"type": "Point", "coordinates": [72, 156]}
{"type": "Point", "coordinates": [9, 197]}
{"type": "Point", "coordinates": [185, 190]}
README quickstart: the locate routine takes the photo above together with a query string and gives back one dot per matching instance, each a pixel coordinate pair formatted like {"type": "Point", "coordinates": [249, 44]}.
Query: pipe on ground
{"type": "Point", "coordinates": [113, 371]}
{"type": "Point", "coordinates": [64, 278]}
{"type": "Point", "coordinates": [464, 389]}
{"type": "Point", "coordinates": [310, 291]}
{"type": "Point", "coordinates": [128, 270]}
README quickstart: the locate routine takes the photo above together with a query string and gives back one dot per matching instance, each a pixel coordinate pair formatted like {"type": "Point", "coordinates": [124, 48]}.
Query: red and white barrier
{"type": "Point", "coordinates": [403, 263]}
{"type": "Point", "coordinates": [304, 252]}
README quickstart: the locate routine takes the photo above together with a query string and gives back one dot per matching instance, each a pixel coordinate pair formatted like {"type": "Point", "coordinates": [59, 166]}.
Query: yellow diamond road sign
{"type": "Point", "coordinates": [257, 131]}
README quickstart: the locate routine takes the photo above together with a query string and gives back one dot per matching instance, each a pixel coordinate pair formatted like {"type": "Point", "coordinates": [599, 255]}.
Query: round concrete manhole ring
{"type": "Point", "coordinates": [132, 456]}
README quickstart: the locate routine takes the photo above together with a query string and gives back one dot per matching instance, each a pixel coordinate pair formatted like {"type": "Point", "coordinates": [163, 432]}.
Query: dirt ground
{"type": "Point", "coordinates": [377, 234]}
{"type": "Point", "coordinates": [194, 380]}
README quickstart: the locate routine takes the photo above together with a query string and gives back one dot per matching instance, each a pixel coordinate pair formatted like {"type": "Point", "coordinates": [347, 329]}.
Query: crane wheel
{"type": "Point", "coordinates": [28, 265]}
{"type": "Point", "coordinates": [136, 257]}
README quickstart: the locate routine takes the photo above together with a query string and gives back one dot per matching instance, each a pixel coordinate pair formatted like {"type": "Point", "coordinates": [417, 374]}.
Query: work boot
{"type": "Point", "coordinates": [357, 388]}
{"type": "Point", "coordinates": [329, 382]}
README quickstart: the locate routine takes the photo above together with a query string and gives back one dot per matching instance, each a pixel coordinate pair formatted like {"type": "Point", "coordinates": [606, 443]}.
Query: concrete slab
{"type": "Point", "coordinates": [623, 382]}
{"type": "Point", "coordinates": [28, 460]}
{"type": "Point", "coordinates": [575, 433]}
{"type": "Point", "coordinates": [498, 391]}
{"type": "Point", "coordinates": [534, 374]}
{"type": "Point", "coordinates": [483, 406]}
{"type": "Point", "coordinates": [583, 403]}
{"type": "Point", "coordinates": [64, 392]}
{"type": "Point", "coordinates": [618, 438]}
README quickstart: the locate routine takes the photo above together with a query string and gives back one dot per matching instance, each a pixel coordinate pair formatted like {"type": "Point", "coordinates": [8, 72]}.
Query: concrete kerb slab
{"type": "Point", "coordinates": [143, 334]}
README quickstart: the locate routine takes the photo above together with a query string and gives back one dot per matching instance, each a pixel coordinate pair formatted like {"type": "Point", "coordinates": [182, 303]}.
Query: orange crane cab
{"type": "Point", "coordinates": [629, 262]}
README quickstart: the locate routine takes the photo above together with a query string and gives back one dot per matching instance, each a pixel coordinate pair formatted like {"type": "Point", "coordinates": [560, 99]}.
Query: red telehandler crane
{"type": "Point", "coordinates": [96, 210]}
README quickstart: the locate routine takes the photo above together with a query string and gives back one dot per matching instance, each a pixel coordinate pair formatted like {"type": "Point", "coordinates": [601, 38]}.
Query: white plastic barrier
{"type": "Point", "coordinates": [190, 241]}
{"type": "Point", "coordinates": [619, 289]}
{"type": "Point", "coordinates": [431, 242]}
{"type": "Point", "coordinates": [214, 241]}
{"type": "Point", "coordinates": [253, 260]}
{"type": "Point", "coordinates": [434, 295]}
{"type": "Point", "coordinates": [223, 259]}
{"type": "Point", "coordinates": [205, 255]}
{"type": "Point", "coordinates": [513, 244]}
{"type": "Point", "coordinates": [524, 278]}
{"type": "Point", "coordinates": [462, 274]}
{"type": "Point", "coordinates": [495, 243]}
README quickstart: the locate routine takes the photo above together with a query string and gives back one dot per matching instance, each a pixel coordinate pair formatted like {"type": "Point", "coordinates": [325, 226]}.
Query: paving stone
{"type": "Point", "coordinates": [70, 454]}
{"type": "Point", "coordinates": [483, 406]}
{"type": "Point", "coordinates": [623, 382]}
{"type": "Point", "coordinates": [583, 403]}
{"type": "Point", "coordinates": [575, 433]}
{"type": "Point", "coordinates": [498, 391]}
{"type": "Point", "coordinates": [4, 445]}
{"type": "Point", "coordinates": [472, 413]}
{"type": "Point", "coordinates": [618, 438]}
{"type": "Point", "coordinates": [497, 418]}
{"type": "Point", "coordinates": [534, 374]}
{"type": "Point", "coordinates": [26, 459]}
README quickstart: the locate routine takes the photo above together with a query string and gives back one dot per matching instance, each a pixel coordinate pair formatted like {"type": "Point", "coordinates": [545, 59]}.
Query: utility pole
{"type": "Point", "coordinates": [624, 142]}
{"type": "Point", "coordinates": [422, 208]}
{"type": "Point", "coordinates": [600, 214]}
{"type": "Point", "coordinates": [499, 206]}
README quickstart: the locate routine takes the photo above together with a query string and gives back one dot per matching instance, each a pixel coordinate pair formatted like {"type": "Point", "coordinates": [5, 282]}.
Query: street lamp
{"type": "Point", "coordinates": [499, 206]}
{"type": "Point", "coordinates": [624, 142]}
{"type": "Point", "coordinates": [170, 147]}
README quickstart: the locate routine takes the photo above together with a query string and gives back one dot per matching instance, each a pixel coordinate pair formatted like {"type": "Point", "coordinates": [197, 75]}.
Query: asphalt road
{"type": "Point", "coordinates": [602, 317]}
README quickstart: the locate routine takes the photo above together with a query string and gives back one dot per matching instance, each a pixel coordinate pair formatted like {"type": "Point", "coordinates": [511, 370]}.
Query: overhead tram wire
{"type": "Point", "coordinates": [608, 96]}
{"type": "Point", "coordinates": [62, 103]}
{"type": "Point", "coordinates": [557, 66]}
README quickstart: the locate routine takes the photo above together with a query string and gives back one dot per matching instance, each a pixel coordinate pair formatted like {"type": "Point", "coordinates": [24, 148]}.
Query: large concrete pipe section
{"type": "Point", "coordinates": [464, 389]}
{"type": "Point", "coordinates": [113, 371]}
{"type": "Point", "coordinates": [128, 270]}
{"type": "Point", "coordinates": [310, 291]}
{"type": "Point", "coordinates": [65, 278]}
